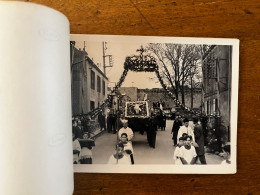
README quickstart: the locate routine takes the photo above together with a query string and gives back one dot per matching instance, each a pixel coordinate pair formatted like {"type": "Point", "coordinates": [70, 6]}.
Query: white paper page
{"type": "Point", "coordinates": [35, 101]}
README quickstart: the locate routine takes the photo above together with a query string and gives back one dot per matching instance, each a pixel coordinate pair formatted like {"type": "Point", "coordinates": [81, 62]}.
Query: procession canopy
{"type": "Point", "coordinates": [141, 63]}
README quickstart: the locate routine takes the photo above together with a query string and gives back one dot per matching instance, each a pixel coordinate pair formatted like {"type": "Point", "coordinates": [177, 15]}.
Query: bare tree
{"type": "Point", "coordinates": [168, 58]}
{"type": "Point", "coordinates": [195, 73]}
{"type": "Point", "coordinates": [178, 65]}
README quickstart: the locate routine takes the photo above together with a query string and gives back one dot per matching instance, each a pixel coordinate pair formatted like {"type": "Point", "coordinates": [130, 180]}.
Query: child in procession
{"type": "Point", "coordinates": [85, 155]}
{"type": "Point", "coordinates": [176, 156]}
{"type": "Point", "coordinates": [187, 152]}
{"type": "Point", "coordinates": [76, 148]}
{"type": "Point", "coordinates": [119, 156]}
{"type": "Point", "coordinates": [128, 148]}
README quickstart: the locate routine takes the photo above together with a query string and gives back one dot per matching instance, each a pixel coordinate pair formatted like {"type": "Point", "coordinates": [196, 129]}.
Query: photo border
{"type": "Point", "coordinates": [166, 168]}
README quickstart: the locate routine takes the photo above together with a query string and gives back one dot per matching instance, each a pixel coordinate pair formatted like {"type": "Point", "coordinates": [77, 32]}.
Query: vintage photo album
{"type": "Point", "coordinates": [110, 104]}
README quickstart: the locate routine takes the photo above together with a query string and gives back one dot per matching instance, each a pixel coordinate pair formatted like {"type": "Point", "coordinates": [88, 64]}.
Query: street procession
{"type": "Point", "coordinates": [150, 103]}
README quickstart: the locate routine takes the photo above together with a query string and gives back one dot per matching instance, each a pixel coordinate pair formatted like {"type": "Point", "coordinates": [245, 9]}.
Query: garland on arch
{"type": "Point", "coordinates": [137, 64]}
{"type": "Point", "coordinates": [141, 64]}
{"type": "Point", "coordinates": [170, 94]}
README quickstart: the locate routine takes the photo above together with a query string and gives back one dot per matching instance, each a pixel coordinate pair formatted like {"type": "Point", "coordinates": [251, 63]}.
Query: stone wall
{"type": "Point", "coordinates": [131, 92]}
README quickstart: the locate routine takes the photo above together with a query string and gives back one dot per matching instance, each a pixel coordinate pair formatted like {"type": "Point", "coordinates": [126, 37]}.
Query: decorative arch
{"type": "Point", "coordinates": [139, 63]}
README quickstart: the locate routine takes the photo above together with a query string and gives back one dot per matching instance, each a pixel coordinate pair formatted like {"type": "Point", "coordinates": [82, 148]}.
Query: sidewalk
{"type": "Point", "coordinates": [95, 134]}
{"type": "Point", "coordinates": [213, 158]}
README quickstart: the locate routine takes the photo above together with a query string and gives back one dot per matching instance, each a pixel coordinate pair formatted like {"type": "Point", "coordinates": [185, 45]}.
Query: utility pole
{"type": "Point", "coordinates": [104, 44]}
{"type": "Point", "coordinates": [72, 47]}
{"type": "Point", "coordinates": [104, 57]}
{"type": "Point", "coordinates": [117, 124]}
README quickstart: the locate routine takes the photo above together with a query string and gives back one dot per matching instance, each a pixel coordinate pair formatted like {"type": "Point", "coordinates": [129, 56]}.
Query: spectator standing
{"type": "Point", "coordinates": [175, 129]}
{"type": "Point", "coordinates": [164, 121]}
{"type": "Point", "coordinates": [80, 132]}
{"type": "Point", "coordinates": [204, 121]}
{"type": "Point", "coordinates": [199, 136]}
{"type": "Point", "coordinates": [76, 149]}
{"type": "Point", "coordinates": [111, 122]}
{"type": "Point", "coordinates": [102, 121]}
{"type": "Point", "coordinates": [77, 130]}
{"type": "Point", "coordinates": [160, 120]}
{"type": "Point", "coordinates": [85, 124]}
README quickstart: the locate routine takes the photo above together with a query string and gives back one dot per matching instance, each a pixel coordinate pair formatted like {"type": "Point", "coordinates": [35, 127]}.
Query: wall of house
{"type": "Point", "coordinates": [94, 95]}
{"type": "Point", "coordinates": [76, 88]}
{"type": "Point", "coordinates": [82, 93]}
{"type": "Point", "coordinates": [219, 89]}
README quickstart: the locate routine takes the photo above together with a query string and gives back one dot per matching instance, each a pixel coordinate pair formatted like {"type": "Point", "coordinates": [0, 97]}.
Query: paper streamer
{"type": "Point", "coordinates": [35, 101]}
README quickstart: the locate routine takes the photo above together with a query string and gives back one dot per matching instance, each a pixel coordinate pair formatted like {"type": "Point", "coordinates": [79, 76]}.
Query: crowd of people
{"type": "Point", "coordinates": [189, 143]}
{"type": "Point", "coordinates": [82, 144]}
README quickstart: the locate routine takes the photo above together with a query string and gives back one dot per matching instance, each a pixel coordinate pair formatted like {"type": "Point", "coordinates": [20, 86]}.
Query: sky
{"type": "Point", "coordinates": [119, 50]}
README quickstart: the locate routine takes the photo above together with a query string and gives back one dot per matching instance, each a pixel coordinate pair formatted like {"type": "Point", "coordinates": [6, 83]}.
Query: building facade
{"type": "Point", "coordinates": [89, 83]}
{"type": "Point", "coordinates": [159, 94]}
{"type": "Point", "coordinates": [131, 92]}
{"type": "Point", "coordinates": [217, 82]}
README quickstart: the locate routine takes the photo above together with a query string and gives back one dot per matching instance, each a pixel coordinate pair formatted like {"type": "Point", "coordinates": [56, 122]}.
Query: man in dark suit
{"type": "Point", "coordinates": [102, 121]}
{"type": "Point", "coordinates": [175, 128]}
{"type": "Point", "coordinates": [199, 137]}
{"type": "Point", "coordinates": [111, 122]}
{"type": "Point", "coordinates": [151, 131]}
{"type": "Point", "coordinates": [77, 129]}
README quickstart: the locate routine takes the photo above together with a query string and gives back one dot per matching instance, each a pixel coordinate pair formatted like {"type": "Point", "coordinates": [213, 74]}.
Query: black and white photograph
{"type": "Point", "coordinates": [154, 104]}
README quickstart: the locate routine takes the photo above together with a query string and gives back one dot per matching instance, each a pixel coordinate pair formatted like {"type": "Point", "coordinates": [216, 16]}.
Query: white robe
{"type": "Point", "coordinates": [188, 155]}
{"type": "Point", "coordinates": [176, 156]}
{"type": "Point", "coordinates": [186, 130]}
{"type": "Point", "coordinates": [85, 153]}
{"type": "Point", "coordinates": [128, 131]}
{"type": "Point", "coordinates": [124, 160]}
{"type": "Point", "coordinates": [76, 146]}
{"type": "Point", "coordinates": [128, 146]}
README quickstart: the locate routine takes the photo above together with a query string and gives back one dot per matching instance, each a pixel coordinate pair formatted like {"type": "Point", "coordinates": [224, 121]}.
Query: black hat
{"type": "Point", "coordinates": [185, 120]}
{"type": "Point", "coordinates": [195, 119]}
{"type": "Point", "coordinates": [181, 138]}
